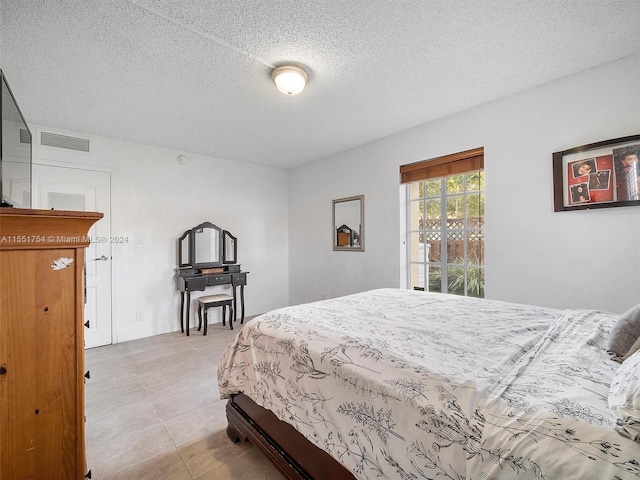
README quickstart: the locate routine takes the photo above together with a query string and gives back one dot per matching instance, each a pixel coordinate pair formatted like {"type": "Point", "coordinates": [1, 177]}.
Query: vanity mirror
{"type": "Point", "coordinates": [202, 247]}
{"type": "Point", "coordinates": [184, 248]}
{"type": "Point", "coordinates": [348, 224]}
{"type": "Point", "coordinates": [229, 248]}
{"type": "Point", "coordinates": [207, 243]}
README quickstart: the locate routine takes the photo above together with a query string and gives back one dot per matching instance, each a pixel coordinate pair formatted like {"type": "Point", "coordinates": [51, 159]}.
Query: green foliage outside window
{"type": "Point", "coordinates": [462, 233]}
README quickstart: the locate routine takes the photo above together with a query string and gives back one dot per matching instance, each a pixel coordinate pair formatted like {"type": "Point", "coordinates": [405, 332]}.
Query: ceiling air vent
{"type": "Point", "coordinates": [64, 141]}
{"type": "Point", "coordinates": [25, 136]}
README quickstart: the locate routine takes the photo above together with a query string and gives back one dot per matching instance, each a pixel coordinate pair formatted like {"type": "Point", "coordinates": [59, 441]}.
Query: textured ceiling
{"type": "Point", "coordinates": [194, 75]}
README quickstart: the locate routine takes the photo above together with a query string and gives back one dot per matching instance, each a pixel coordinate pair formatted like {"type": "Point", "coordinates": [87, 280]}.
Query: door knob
{"type": "Point", "coordinates": [103, 257]}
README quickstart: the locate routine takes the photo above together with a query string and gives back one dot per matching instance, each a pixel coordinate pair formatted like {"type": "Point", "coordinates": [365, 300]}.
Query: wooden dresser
{"type": "Point", "coordinates": [42, 343]}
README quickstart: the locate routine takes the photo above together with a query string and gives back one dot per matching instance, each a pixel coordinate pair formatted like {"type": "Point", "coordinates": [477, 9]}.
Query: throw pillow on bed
{"type": "Point", "coordinates": [625, 333]}
{"type": "Point", "coordinates": [624, 398]}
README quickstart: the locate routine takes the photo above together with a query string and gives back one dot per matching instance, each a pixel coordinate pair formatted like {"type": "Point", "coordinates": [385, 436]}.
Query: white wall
{"type": "Point", "coordinates": [154, 199]}
{"type": "Point", "coordinates": [585, 259]}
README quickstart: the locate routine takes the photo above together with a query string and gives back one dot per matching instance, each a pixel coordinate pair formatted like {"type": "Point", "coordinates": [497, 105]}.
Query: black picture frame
{"type": "Point", "coordinates": [597, 175]}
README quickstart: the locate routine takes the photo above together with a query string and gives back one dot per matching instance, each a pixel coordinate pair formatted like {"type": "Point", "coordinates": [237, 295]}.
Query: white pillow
{"type": "Point", "coordinates": [624, 398]}
{"type": "Point", "coordinates": [625, 333]}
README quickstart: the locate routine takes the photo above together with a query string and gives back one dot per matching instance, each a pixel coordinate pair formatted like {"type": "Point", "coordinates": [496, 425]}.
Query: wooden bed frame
{"type": "Point", "coordinates": [291, 453]}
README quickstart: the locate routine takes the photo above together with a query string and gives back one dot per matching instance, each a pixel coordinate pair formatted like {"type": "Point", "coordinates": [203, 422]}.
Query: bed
{"type": "Point", "coordinates": [400, 384]}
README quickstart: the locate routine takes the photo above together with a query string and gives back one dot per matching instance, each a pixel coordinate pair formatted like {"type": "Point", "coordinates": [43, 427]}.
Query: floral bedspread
{"type": "Point", "coordinates": [400, 384]}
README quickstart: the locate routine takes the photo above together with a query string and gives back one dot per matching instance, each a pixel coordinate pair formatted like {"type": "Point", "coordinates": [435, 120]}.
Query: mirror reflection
{"type": "Point", "coordinates": [183, 249]}
{"type": "Point", "coordinates": [348, 224]}
{"type": "Point", "coordinates": [229, 248]}
{"type": "Point", "coordinates": [207, 245]}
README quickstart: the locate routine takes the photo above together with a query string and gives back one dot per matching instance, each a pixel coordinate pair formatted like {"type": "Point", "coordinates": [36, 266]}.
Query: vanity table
{"type": "Point", "coordinates": [207, 256]}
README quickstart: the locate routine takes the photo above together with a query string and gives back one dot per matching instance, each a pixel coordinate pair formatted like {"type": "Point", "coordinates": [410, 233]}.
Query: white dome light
{"type": "Point", "coordinates": [290, 80]}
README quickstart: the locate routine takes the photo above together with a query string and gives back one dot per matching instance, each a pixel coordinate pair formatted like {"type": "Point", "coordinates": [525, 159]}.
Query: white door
{"type": "Point", "coordinates": [64, 188]}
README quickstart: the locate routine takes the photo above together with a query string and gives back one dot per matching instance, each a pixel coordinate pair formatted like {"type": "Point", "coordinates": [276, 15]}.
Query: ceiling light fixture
{"type": "Point", "coordinates": [289, 79]}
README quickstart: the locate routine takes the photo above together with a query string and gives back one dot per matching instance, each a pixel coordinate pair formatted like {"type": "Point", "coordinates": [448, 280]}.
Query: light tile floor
{"type": "Point", "coordinates": [154, 412]}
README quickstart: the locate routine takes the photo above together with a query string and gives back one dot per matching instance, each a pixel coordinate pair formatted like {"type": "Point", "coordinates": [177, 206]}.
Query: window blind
{"type": "Point", "coordinates": [453, 164]}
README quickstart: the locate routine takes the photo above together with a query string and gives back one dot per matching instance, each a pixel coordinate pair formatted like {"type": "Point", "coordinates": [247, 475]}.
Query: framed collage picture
{"type": "Point", "coordinates": [598, 175]}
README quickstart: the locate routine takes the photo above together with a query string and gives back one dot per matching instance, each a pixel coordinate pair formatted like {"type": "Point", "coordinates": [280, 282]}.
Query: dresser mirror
{"type": "Point", "coordinates": [207, 243]}
{"type": "Point", "coordinates": [229, 248]}
{"type": "Point", "coordinates": [205, 246]}
{"type": "Point", "coordinates": [348, 224]}
{"type": "Point", "coordinates": [184, 249]}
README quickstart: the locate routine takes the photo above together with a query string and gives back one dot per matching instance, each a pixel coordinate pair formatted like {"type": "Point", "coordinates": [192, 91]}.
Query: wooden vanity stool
{"type": "Point", "coordinates": [220, 300]}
